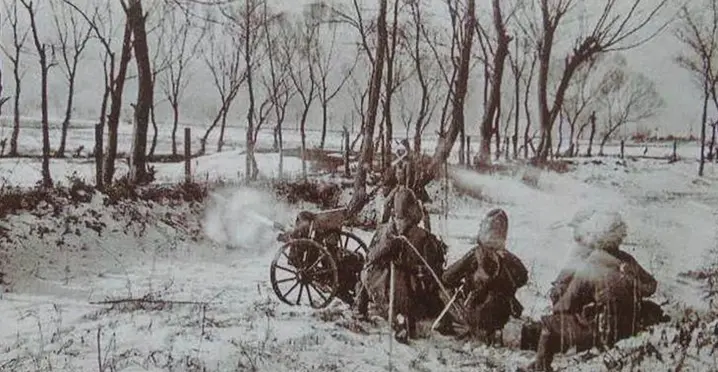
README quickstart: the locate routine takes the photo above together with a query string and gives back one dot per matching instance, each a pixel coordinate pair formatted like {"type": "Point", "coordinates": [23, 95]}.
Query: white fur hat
{"type": "Point", "coordinates": [493, 229]}
{"type": "Point", "coordinates": [598, 230]}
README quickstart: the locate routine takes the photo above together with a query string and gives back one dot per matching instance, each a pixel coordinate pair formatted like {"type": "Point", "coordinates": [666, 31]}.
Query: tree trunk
{"type": "Point", "coordinates": [153, 119]}
{"type": "Point", "coordinates": [497, 129]}
{"type": "Point", "coordinates": [560, 136]}
{"type": "Point", "coordinates": [462, 145]}
{"type": "Point", "coordinates": [359, 199]}
{"type": "Point", "coordinates": [222, 127]}
{"type": "Point", "coordinates": [281, 151]}
{"type": "Point", "coordinates": [571, 139]}
{"type": "Point", "coordinates": [388, 131]}
{"type": "Point", "coordinates": [15, 109]}
{"type": "Point", "coordinates": [446, 142]}
{"type": "Point", "coordinates": [175, 123]}
{"type": "Point", "coordinates": [592, 135]}
{"type": "Point", "coordinates": [303, 135]}
{"type": "Point", "coordinates": [46, 177]}
{"type": "Point", "coordinates": [704, 119]}
{"type": "Point", "coordinates": [324, 125]}
{"type": "Point", "coordinates": [527, 110]}
{"type": "Point", "coordinates": [493, 106]}
{"type": "Point", "coordinates": [517, 101]}
{"type": "Point", "coordinates": [138, 160]}
{"type": "Point", "coordinates": [712, 149]}
{"type": "Point", "coordinates": [250, 163]}
{"type": "Point", "coordinates": [113, 119]}
{"type": "Point", "coordinates": [68, 111]}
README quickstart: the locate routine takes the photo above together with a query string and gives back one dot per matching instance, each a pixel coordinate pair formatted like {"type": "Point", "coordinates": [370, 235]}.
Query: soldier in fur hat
{"type": "Point", "coordinates": [598, 299]}
{"type": "Point", "coordinates": [412, 280]}
{"type": "Point", "coordinates": [491, 275]}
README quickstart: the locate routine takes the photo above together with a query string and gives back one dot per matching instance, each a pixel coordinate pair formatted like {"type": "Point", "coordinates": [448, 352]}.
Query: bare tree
{"type": "Point", "coordinates": [247, 21]}
{"type": "Point", "coordinates": [160, 63]}
{"type": "Point", "coordinates": [698, 32]}
{"type": "Point", "coordinates": [45, 66]}
{"type": "Point", "coordinates": [392, 81]}
{"type": "Point", "coordinates": [359, 93]}
{"type": "Point", "coordinates": [138, 157]}
{"type": "Point", "coordinates": [494, 99]}
{"type": "Point", "coordinates": [279, 87]}
{"type": "Point", "coordinates": [360, 196]}
{"type": "Point", "coordinates": [180, 52]}
{"type": "Point", "coordinates": [115, 76]}
{"type": "Point", "coordinates": [72, 35]}
{"type": "Point", "coordinates": [581, 97]}
{"type": "Point", "coordinates": [302, 42]}
{"type": "Point", "coordinates": [613, 29]}
{"type": "Point", "coordinates": [19, 36]}
{"type": "Point", "coordinates": [352, 15]}
{"type": "Point", "coordinates": [327, 54]}
{"type": "Point", "coordinates": [459, 88]}
{"type": "Point", "coordinates": [518, 66]}
{"type": "Point", "coordinates": [428, 82]}
{"type": "Point", "coordinates": [527, 108]}
{"type": "Point", "coordinates": [635, 99]}
{"type": "Point", "coordinates": [224, 61]}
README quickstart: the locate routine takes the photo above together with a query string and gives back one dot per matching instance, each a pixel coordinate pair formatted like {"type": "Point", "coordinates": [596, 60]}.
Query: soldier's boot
{"type": "Point", "coordinates": [544, 353]}
{"type": "Point", "coordinates": [360, 308]}
{"type": "Point", "coordinates": [530, 334]}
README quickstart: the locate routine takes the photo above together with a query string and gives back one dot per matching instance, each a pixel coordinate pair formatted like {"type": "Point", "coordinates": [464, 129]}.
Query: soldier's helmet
{"type": "Point", "coordinates": [493, 229]}
{"type": "Point", "coordinates": [407, 211]}
{"type": "Point", "coordinates": [599, 230]}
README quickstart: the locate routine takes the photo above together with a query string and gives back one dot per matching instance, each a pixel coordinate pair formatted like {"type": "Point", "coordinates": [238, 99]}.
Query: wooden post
{"type": "Point", "coordinates": [345, 134]}
{"type": "Point", "coordinates": [623, 143]}
{"type": "Point", "coordinates": [187, 155]}
{"type": "Point", "coordinates": [468, 150]}
{"type": "Point", "coordinates": [98, 156]}
{"type": "Point", "coordinates": [675, 147]}
{"type": "Point", "coordinates": [506, 148]}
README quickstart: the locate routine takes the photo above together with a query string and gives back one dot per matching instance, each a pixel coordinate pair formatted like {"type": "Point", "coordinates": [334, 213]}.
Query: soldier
{"type": "Point", "coordinates": [492, 275]}
{"type": "Point", "coordinates": [412, 278]}
{"type": "Point", "coordinates": [599, 300]}
{"type": "Point", "coordinates": [405, 172]}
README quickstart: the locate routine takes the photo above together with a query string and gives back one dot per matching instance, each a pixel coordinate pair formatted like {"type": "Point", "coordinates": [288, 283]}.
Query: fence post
{"type": "Point", "coordinates": [98, 156]}
{"type": "Point", "coordinates": [187, 155]}
{"type": "Point", "coordinates": [675, 147]}
{"type": "Point", "coordinates": [345, 134]}
{"type": "Point", "coordinates": [623, 142]}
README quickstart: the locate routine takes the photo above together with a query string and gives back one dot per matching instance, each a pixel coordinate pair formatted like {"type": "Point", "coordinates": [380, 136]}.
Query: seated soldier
{"type": "Point", "coordinates": [415, 289]}
{"type": "Point", "coordinates": [491, 275]}
{"type": "Point", "coordinates": [599, 299]}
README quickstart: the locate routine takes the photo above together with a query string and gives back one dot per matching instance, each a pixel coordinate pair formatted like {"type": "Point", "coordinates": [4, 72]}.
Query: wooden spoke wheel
{"type": "Point", "coordinates": [304, 272]}
{"type": "Point", "coordinates": [347, 241]}
{"type": "Point", "coordinates": [351, 253]}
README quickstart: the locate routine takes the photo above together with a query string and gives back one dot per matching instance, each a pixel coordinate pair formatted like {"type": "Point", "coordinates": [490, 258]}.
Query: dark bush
{"type": "Point", "coordinates": [326, 195]}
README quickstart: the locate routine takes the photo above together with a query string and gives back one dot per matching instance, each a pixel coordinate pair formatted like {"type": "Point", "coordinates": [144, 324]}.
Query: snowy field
{"type": "Point", "coordinates": [216, 259]}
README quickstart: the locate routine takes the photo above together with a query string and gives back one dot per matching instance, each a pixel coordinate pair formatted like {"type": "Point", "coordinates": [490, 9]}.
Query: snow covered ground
{"type": "Point", "coordinates": [215, 259]}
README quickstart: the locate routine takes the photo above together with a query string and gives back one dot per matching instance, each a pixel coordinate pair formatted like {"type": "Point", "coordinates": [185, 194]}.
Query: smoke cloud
{"type": "Point", "coordinates": [242, 219]}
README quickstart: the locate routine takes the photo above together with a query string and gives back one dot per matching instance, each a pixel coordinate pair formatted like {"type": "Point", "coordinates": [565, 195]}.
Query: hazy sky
{"type": "Point", "coordinates": [655, 59]}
